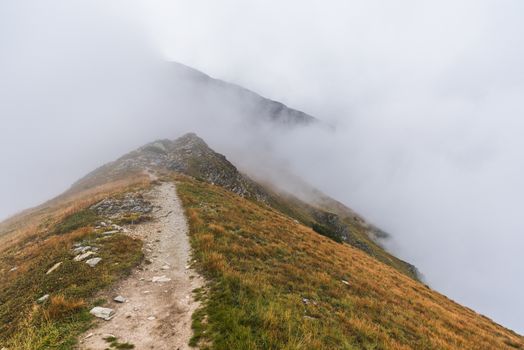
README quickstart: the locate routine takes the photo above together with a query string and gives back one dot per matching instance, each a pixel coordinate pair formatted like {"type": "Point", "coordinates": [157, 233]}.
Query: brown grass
{"type": "Point", "coordinates": [60, 307]}
{"type": "Point", "coordinates": [37, 221]}
{"type": "Point", "coordinates": [262, 266]}
{"type": "Point", "coordinates": [36, 245]}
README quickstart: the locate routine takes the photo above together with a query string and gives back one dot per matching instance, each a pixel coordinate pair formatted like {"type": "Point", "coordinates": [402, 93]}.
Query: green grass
{"type": "Point", "coordinates": [115, 344]}
{"type": "Point", "coordinates": [76, 220]}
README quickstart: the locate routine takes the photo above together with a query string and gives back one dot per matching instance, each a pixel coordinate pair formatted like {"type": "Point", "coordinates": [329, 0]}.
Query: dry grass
{"type": "Point", "coordinates": [38, 221]}
{"type": "Point", "coordinates": [60, 307]}
{"type": "Point", "coordinates": [276, 284]}
{"type": "Point", "coordinates": [43, 237]}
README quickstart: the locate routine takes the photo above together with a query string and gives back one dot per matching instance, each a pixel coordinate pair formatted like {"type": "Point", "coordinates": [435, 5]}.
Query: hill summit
{"type": "Point", "coordinates": [190, 155]}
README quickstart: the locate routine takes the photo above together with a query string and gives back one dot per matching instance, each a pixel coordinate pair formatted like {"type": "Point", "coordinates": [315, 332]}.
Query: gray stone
{"type": "Point", "coordinates": [161, 279]}
{"type": "Point", "coordinates": [107, 233]}
{"type": "Point", "coordinates": [55, 266]}
{"type": "Point", "coordinates": [43, 299]}
{"type": "Point", "coordinates": [81, 249]}
{"type": "Point", "coordinates": [120, 299]}
{"type": "Point", "coordinates": [83, 256]}
{"type": "Point", "coordinates": [102, 312]}
{"type": "Point", "coordinates": [93, 262]}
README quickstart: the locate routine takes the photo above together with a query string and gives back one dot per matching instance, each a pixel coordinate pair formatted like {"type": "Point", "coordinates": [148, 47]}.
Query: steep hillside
{"type": "Point", "coordinates": [277, 284]}
{"type": "Point", "coordinates": [190, 155]}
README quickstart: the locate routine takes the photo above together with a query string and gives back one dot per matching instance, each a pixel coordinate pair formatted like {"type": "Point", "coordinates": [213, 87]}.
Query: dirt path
{"type": "Point", "coordinates": [156, 315]}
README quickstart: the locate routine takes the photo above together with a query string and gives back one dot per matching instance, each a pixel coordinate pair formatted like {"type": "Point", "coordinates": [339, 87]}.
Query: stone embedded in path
{"type": "Point", "coordinates": [102, 312]}
{"type": "Point", "coordinates": [83, 256]}
{"type": "Point", "coordinates": [165, 267]}
{"type": "Point", "coordinates": [151, 318]}
{"type": "Point", "coordinates": [55, 266]}
{"type": "Point", "coordinates": [93, 262]}
{"type": "Point", "coordinates": [120, 299]}
{"type": "Point", "coordinates": [160, 279]}
{"type": "Point", "coordinates": [43, 299]}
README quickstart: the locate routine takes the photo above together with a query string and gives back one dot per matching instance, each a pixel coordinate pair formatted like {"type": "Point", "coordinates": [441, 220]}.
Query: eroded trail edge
{"type": "Point", "coordinates": [159, 301]}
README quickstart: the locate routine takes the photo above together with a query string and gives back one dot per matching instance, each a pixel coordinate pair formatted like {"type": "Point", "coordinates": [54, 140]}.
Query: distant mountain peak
{"type": "Point", "coordinates": [254, 105]}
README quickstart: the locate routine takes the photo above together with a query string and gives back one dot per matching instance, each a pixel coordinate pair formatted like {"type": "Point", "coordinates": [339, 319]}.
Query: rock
{"type": "Point", "coordinates": [165, 267]}
{"type": "Point", "coordinates": [55, 266]}
{"type": "Point", "coordinates": [151, 318]}
{"type": "Point", "coordinates": [89, 335]}
{"type": "Point", "coordinates": [13, 269]}
{"type": "Point", "coordinates": [83, 256]}
{"type": "Point", "coordinates": [345, 282]}
{"type": "Point", "coordinates": [160, 279]}
{"type": "Point", "coordinates": [103, 224]}
{"type": "Point", "coordinates": [120, 299]}
{"type": "Point", "coordinates": [102, 312]}
{"type": "Point", "coordinates": [43, 299]}
{"type": "Point", "coordinates": [107, 233]}
{"type": "Point", "coordinates": [81, 249]}
{"type": "Point", "coordinates": [93, 262]}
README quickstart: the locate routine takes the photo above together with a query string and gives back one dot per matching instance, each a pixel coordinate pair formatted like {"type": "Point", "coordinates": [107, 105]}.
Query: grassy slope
{"type": "Point", "coordinates": [45, 236]}
{"type": "Point", "coordinates": [303, 212]}
{"type": "Point", "coordinates": [261, 265]}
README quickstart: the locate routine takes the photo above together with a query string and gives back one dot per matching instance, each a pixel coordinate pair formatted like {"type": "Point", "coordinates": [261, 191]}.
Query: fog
{"type": "Point", "coordinates": [426, 99]}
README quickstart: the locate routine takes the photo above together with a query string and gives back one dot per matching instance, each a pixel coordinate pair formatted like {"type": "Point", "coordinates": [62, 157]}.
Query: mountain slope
{"type": "Point", "coordinates": [196, 83]}
{"type": "Point", "coordinates": [190, 155]}
{"type": "Point", "coordinates": [276, 284]}
{"type": "Point", "coordinates": [282, 272]}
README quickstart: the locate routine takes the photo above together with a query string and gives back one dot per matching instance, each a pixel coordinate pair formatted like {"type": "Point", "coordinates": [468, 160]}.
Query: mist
{"type": "Point", "coordinates": [426, 100]}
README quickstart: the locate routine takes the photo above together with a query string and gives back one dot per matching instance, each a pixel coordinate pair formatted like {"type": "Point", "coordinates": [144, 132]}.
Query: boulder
{"type": "Point", "coordinates": [81, 249]}
{"type": "Point", "coordinates": [93, 262]}
{"type": "Point", "coordinates": [102, 312]}
{"type": "Point", "coordinates": [83, 256]}
{"type": "Point", "coordinates": [120, 299]}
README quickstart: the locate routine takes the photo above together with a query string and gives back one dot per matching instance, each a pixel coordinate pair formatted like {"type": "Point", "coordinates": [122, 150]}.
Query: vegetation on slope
{"type": "Point", "coordinates": [25, 323]}
{"type": "Point", "coordinates": [277, 284]}
{"type": "Point", "coordinates": [340, 224]}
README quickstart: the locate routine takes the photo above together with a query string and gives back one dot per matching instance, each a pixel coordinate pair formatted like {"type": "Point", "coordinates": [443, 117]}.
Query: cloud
{"type": "Point", "coordinates": [427, 100]}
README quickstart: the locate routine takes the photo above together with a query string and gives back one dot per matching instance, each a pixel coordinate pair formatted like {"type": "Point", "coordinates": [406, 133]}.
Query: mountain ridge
{"type": "Point", "coordinates": [274, 110]}
{"type": "Point", "coordinates": [281, 273]}
{"type": "Point", "coordinates": [190, 155]}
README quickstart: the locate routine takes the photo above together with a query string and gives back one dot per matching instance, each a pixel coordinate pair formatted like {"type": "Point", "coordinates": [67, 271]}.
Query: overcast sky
{"type": "Point", "coordinates": [427, 98]}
